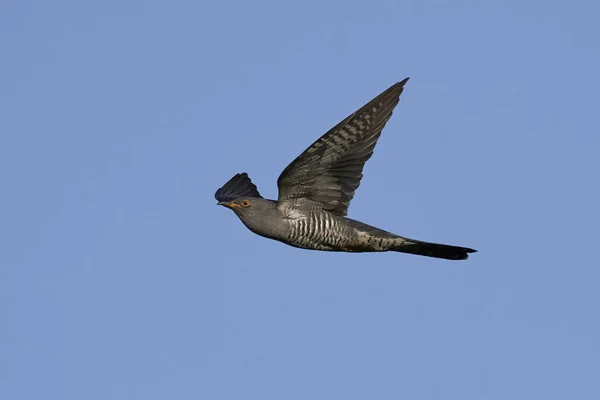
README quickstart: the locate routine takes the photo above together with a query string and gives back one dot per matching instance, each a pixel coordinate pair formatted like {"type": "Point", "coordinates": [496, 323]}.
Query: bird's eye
{"type": "Point", "coordinates": [245, 203]}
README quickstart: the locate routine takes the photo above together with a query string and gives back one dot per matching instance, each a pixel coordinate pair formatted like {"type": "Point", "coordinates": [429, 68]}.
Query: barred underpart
{"type": "Point", "coordinates": [319, 230]}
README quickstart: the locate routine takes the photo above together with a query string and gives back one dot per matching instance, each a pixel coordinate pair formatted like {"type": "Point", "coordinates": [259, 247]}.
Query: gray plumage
{"type": "Point", "coordinates": [315, 191]}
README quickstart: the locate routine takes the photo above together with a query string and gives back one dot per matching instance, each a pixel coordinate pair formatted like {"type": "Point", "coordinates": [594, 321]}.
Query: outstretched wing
{"type": "Point", "coordinates": [329, 171]}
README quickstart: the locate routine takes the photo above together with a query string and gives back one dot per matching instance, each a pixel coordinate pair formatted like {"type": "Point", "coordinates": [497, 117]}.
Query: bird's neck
{"type": "Point", "coordinates": [269, 222]}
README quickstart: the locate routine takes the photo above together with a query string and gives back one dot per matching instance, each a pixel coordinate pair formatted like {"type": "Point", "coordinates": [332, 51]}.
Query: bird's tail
{"type": "Point", "coordinates": [432, 249]}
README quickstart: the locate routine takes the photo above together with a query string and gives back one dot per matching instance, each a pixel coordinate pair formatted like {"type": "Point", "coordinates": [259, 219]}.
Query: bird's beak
{"type": "Point", "coordinates": [228, 204]}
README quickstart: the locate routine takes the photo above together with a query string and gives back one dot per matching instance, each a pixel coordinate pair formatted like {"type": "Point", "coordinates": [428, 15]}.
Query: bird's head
{"type": "Point", "coordinates": [259, 215]}
{"type": "Point", "coordinates": [241, 196]}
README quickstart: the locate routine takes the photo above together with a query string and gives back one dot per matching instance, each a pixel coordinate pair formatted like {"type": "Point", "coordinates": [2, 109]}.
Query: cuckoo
{"type": "Point", "coordinates": [315, 191]}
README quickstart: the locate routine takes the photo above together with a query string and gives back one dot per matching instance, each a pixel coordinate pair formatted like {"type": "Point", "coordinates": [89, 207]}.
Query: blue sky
{"type": "Point", "coordinates": [121, 279]}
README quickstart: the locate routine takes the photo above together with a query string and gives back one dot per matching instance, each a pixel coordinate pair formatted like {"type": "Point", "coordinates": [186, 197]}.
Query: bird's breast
{"type": "Point", "coordinates": [317, 230]}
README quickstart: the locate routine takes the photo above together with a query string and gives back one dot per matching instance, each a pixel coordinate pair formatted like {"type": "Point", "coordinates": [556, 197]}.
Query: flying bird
{"type": "Point", "coordinates": [315, 191]}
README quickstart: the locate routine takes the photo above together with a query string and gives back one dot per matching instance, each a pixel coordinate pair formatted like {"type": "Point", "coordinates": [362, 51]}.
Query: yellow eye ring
{"type": "Point", "coordinates": [245, 202]}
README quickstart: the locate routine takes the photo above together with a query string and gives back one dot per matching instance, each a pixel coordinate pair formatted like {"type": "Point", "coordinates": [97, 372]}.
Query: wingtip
{"type": "Point", "coordinates": [394, 91]}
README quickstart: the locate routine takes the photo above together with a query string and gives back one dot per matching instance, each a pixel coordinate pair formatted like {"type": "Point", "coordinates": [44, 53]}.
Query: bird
{"type": "Point", "coordinates": [316, 188]}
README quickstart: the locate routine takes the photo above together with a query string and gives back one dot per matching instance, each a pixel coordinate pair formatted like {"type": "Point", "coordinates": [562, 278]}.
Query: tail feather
{"type": "Point", "coordinates": [433, 250]}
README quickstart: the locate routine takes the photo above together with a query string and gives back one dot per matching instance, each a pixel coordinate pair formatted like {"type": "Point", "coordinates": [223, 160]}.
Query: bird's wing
{"type": "Point", "coordinates": [329, 171]}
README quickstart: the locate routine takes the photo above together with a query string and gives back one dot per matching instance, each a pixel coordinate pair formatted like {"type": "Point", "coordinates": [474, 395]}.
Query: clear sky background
{"type": "Point", "coordinates": [121, 279]}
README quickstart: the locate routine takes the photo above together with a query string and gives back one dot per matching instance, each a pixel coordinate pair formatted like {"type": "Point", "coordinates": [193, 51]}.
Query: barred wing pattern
{"type": "Point", "coordinates": [329, 171]}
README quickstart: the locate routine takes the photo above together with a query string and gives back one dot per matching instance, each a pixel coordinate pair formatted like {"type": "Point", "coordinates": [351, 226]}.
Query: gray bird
{"type": "Point", "coordinates": [315, 191]}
